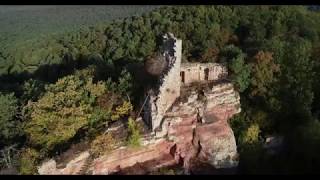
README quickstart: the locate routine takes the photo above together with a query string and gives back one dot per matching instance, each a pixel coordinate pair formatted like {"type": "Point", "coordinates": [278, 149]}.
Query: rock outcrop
{"type": "Point", "coordinates": [195, 128]}
{"type": "Point", "coordinates": [189, 124]}
{"type": "Point", "coordinates": [75, 166]}
{"type": "Point", "coordinates": [201, 123]}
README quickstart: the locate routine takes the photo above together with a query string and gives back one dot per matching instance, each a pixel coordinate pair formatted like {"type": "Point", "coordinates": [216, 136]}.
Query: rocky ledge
{"type": "Point", "coordinates": [194, 131]}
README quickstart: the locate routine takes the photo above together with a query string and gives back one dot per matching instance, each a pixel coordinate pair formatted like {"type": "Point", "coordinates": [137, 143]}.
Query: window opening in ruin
{"type": "Point", "coordinates": [182, 76]}
{"type": "Point", "coordinates": [206, 74]}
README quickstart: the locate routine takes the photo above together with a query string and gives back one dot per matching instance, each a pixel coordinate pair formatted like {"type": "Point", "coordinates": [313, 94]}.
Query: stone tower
{"type": "Point", "coordinates": [168, 90]}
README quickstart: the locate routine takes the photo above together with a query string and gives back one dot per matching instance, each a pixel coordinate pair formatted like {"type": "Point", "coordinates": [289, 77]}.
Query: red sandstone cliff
{"type": "Point", "coordinates": [194, 130]}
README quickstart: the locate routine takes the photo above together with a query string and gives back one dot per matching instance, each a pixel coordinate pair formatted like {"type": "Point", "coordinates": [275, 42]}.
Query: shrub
{"type": "Point", "coordinates": [122, 111]}
{"type": "Point", "coordinates": [264, 72]}
{"type": "Point", "coordinates": [125, 83]}
{"type": "Point", "coordinates": [109, 100]}
{"type": "Point", "coordinates": [240, 70]}
{"type": "Point", "coordinates": [102, 144]}
{"type": "Point", "coordinates": [251, 135]}
{"type": "Point", "coordinates": [29, 159]}
{"type": "Point", "coordinates": [32, 90]}
{"type": "Point", "coordinates": [66, 107]}
{"type": "Point", "coordinates": [134, 134]}
{"type": "Point", "coordinates": [8, 156]}
{"type": "Point", "coordinates": [98, 120]}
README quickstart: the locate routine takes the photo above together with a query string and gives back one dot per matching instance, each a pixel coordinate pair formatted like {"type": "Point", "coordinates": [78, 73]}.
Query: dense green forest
{"type": "Point", "coordinates": [33, 23]}
{"type": "Point", "coordinates": [77, 83]}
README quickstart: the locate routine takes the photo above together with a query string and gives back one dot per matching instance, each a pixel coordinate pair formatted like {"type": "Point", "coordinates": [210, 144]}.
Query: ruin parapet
{"type": "Point", "coordinates": [174, 76]}
{"type": "Point", "coordinates": [202, 72]}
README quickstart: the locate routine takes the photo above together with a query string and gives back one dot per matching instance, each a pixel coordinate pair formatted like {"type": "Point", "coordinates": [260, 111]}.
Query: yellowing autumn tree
{"type": "Point", "coordinates": [122, 110]}
{"type": "Point", "coordinates": [66, 107]}
{"type": "Point", "coordinates": [263, 72]}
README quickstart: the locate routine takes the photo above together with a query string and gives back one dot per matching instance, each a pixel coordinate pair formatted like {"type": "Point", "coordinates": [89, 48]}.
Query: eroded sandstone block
{"type": "Point", "coordinates": [75, 166]}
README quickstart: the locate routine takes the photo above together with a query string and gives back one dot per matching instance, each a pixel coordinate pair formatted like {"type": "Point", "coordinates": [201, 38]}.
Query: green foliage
{"type": "Point", "coordinates": [66, 107]}
{"type": "Point", "coordinates": [36, 41]}
{"type": "Point", "coordinates": [241, 76]}
{"type": "Point", "coordinates": [262, 119]}
{"type": "Point", "coordinates": [29, 159]}
{"type": "Point", "coordinates": [263, 73]}
{"type": "Point", "coordinates": [134, 139]}
{"type": "Point", "coordinates": [121, 111]}
{"type": "Point", "coordinates": [239, 123]}
{"type": "Point", "coordinates": [98, 120]}
{"type": "Point", "coordinates": [125, 83]}
{"type": "Point", "coordinates": [9, 156]}
{"type": "Point", "coordinates": [123, 86]}
{"type": "Point", "coordinates": [10, 126]}
{"type": "Point", "coordinates": [102, 144]}
{"type": "Point", "coordinates": [251, 135]}
{"type": "Point", "coordinates": [32, 90]}
{"type": "Point", "coordinates": [239, 69]}
{"type": "Point", "coordinates": [297, 77]}
{"type": "Point", "coordinates": [271, 53]}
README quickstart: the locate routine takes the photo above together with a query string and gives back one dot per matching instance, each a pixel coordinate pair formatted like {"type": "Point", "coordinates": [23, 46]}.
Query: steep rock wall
{"type": "Point", "coordinates": [195, 128]}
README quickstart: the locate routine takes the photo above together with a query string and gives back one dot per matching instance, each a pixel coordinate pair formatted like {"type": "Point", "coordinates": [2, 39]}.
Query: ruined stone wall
{"type": "Point", "coordinates": [169, 89]}
{"type": "Point", "coordinates": [195, 129]}
{"type": "Point", "coordinates": [183, 138]}
{"type": "Point", "coordinates": [196, 72]}
{"type": "Point", "coordinates": [190, 73]}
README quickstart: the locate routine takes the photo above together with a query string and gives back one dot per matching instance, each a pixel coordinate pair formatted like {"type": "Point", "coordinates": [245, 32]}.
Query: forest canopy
{"type": "Point", "coordinates": [272, 54]}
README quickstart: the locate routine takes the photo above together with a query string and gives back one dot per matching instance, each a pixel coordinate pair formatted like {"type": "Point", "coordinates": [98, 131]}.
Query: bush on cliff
{"type": "Point", "coordinates": [29, 159]}
{"type": "Point", "coordinates": [134, 139]}
{"type": "Point", "coordinates": [102, 144]}
{"type": "Point", "coordinates": [64, 109]}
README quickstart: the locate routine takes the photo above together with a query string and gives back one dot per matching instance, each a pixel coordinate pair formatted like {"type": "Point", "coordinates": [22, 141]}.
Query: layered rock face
{"type": "Point", "coordinates": [200, 129]}
{"type": "Point", "coordinates": [194, 130]}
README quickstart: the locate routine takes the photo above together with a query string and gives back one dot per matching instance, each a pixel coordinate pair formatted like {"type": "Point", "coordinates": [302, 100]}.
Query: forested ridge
{"type": "Point", "coordinates": [77, 83]}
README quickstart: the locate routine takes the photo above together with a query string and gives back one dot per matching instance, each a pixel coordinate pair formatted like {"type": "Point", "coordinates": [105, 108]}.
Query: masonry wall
{"type": "Point", "coordinates": [195, 72]}
{"type": "Point", "coordinates": [169, 89]}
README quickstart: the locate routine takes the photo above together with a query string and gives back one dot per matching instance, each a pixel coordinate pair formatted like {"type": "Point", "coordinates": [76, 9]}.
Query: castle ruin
{"type": "Point", "coordinates": [160, 99]}
{"type": "Point", "coordinates": [188, 113]}
{"type": "Point", "coordinates": [202, 72]}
